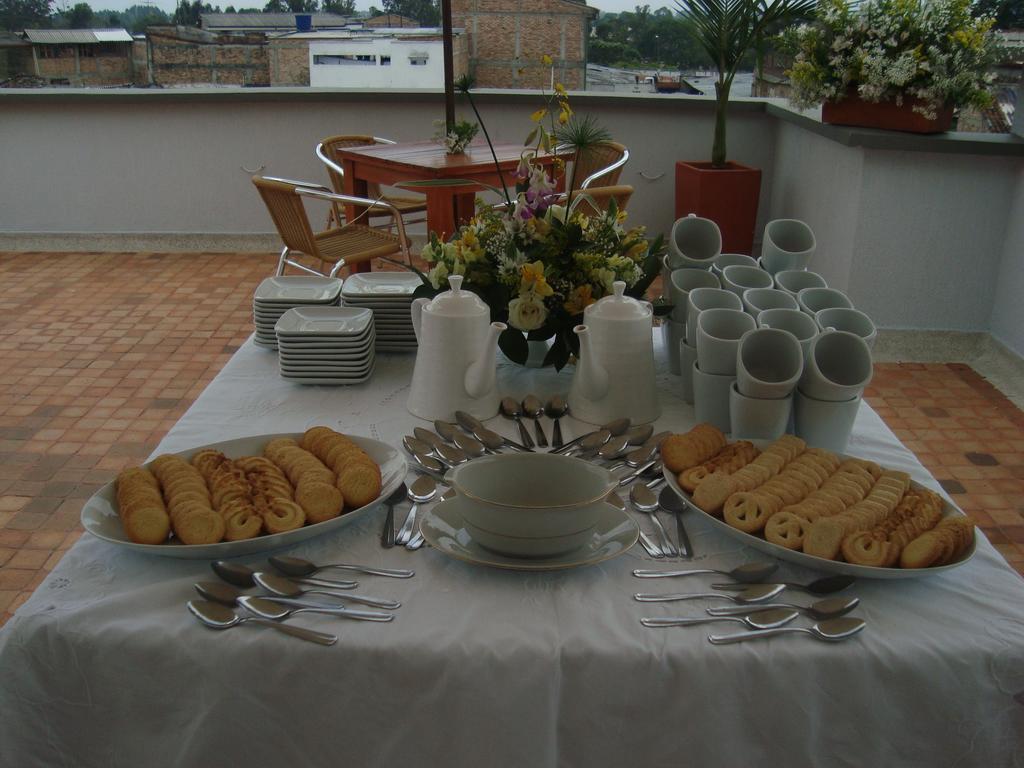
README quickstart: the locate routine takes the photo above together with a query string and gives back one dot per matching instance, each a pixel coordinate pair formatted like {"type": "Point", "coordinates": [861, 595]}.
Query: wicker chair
{"type": "Point", "coordinates": [599, 166]}
{"type": "Point", "coordinates": [334, 248]}
{"type": "Point", "coordinates": [327, 151]}
{"type": "Point", "coordinates": [594, 200]}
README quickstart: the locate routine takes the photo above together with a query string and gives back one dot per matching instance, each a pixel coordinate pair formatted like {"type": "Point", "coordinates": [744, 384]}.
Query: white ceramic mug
{"type": "Point", "coordinates": [729, 259]}
{"type": "Point", "coordinates": [813, 300]}
{"type": "Point", "coordinates": [718, 338]}
{"type": "Point", "coordinates": [837, 368]}
{"type": "Point", "coordinates": [687, 359]}
{"type": "Point", "coordinates": [794, 321]}
{"type": "Point", "coordinates": [707, 298]}
{"type": "Point", "coordinates": [852, 320]}
{"type": "Point", "coordinates": [757, 300]}
{"type": "Point", "coordinates": [711, 398]}
{"type": "Point", "coordinates": [795, 280]}
{"type": "Point", "coordinates": [769, 363]}
{"type": "Point", "coordinates": [824, 423]}
{"type": "Point", "coordinates": [756, 418]}
{"type": "Point", "coordinates": [739, 278]}
{"type": "Point", "coordinates": [672, 333]}
{"type": "Point", "coordinates": [694, 242]}
{"type": "Point", "coordinates": [787, 244]}
{"type": "Point", "coordinates": [681, 282]}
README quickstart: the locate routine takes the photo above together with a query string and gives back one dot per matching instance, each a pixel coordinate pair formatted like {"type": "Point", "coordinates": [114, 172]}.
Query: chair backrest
{"type": "Point", "coordinates": [332, 144]}
{"type": "Point", "coordinates": [595, 200]}
{"type": "Point", "coordinates": [288, 213]}
{"type": "Point", "coordinates": [591, 161]}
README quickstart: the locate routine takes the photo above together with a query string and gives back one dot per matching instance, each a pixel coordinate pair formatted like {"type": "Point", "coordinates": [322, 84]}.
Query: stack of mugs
{"type": "Point", "coordinates": [764, 346]}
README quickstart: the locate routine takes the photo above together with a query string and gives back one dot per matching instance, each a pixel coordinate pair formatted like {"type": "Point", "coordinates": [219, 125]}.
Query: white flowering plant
{"type": "Point", "coordinates": [540, 258]}
{"type": "Point", "coordinates": [932, 53]}
{"type": "Point", "coordinates": [458, 138]}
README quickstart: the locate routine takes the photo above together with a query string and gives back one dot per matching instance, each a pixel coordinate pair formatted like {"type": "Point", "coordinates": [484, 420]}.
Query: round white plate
{"type": "Point", "coordinates": [99, 515]}
{"type": "Point", "coordinates": [443, 528]}
{"type": "Point", "coordinates": [820, 563]}
{"type": "Point", "coordinates": [301, 288]}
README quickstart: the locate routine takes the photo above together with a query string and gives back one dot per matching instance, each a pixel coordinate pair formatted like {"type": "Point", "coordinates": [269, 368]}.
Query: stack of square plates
{"type": "Point", "coordinates": [276, 295]}
{"type": "Point", "coordinates": [326, 345]}
{"type": "Point", "coordinates": [389, 295]}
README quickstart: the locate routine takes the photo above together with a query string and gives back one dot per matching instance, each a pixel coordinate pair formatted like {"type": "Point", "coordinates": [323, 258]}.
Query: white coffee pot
{"type": "Point", "coordinates": [614, 376]}
{"type": "Point", "coordinates": [455, 363]}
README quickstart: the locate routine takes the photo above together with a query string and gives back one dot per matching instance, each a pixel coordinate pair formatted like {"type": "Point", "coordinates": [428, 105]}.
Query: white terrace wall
{"type": "Point", "coordinates": [923, 232]}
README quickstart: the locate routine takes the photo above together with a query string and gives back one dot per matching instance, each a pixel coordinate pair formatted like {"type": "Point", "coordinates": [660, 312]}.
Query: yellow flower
{"type": "Point", "coordinates": [546, 60]}
{"type": "Point", "coordinates": [560, 89]}
{"type": "Point", "coordinates": [579, 299]}
{"type": "Point", "coordinates": [534, 281]}
{"type": "Point", "coordinates": [539, 115]}
{"type": "Point", "coordinates": [563, 117]}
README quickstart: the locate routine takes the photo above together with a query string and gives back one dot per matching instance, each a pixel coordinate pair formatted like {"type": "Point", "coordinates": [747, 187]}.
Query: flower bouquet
{"type": "Point", "coordinates": [540, 258]}
{"type": "Point", "coordinates": [458, 138]}
{"type": "Point", "coordinates": [931, 55]}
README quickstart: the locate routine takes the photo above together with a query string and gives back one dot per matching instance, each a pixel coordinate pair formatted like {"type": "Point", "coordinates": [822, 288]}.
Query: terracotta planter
{"type": "Point", "coordinates": [728, 196]}
{"type": "Point", "coordinates": [887, 115]}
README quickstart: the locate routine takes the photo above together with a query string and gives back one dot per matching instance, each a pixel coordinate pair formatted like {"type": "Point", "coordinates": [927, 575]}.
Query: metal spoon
{"type": "Point", "coordinates": [823, 586]}
{"type": "Point", "coordinates": [829, 608]}
{"type": "Point", "coordinates": [670, 502]}
{"type": "Point", "coordinates": [615, 500]}
{"type": "Point", "coordinates": [428, 465]}
{"type": "Point", "coordinates": [534, 408]}
{"type": "Point", "coordinates": [296, 566]}
{"type": "Point", "coordinates": [269, 609]}
{"type": "Point", "coordinates": [615, 427]}
{"type": "Point", "coordinates": [831, 630]}
{"type": "Point", "coordinates": [614, 448]}
{"type": "Point", "coordinates": [422, 491]}
{"type": "Point", "coordinates": [242, 575]}
{"type": "Point", "coordinates": [225, 594]}
{"type": "Point", "coordinates": [640, 434]}
{"type": "Point", "coordinates": [645, 501]}
{"type": "Point", "coordinates": [447, 430]}
{"type": "Point", "coordinates": [555, 409]}
{"type": "Point", "coordinates": [387, 534]}
{"type": "Point", "coordinates": [417, 540]}
{"type": "Point", "coordinates": [510, 410]}
{"type": "Point", "coordinates": [757, 593]}
{"type": "Point", "coordinates": [762, 619]}
{"type": "Point", "coordinates": [748, 573]}
{"type": "Point", "coordinates": [219, 617]}
{"type": "Point", "coordinates": [468, 421]}
{"type": "Point", "coordinates": [427, 436]}
{"type": "Point", "coordinates": [591, 443]}
{"type": "Point", "coordinates": [494, 442]}
{"type": "Point", "coordinates": [469, 445]}
{"type": "Point", "coordinates": [279, 585]}
{"type": "Point", "coordinates": [443, 452]}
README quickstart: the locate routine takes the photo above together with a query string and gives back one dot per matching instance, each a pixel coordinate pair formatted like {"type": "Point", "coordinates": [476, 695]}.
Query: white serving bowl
{"type": "Point", "coordinates": [531, 504]}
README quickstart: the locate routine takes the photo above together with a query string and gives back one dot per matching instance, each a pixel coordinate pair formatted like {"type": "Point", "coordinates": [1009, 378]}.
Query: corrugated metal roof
{"type": "Point", "coordinates": [266, 20]}
{"type": "Point", "coordinates": [65, 36]}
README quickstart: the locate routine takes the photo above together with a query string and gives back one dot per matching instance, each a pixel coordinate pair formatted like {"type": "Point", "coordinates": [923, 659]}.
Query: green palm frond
{"type": "Point", "coordinates": [582, 133]}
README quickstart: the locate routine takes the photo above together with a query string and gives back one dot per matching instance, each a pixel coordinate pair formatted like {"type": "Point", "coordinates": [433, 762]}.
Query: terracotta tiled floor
{"type": "Point", "coordinates": [102, 353]}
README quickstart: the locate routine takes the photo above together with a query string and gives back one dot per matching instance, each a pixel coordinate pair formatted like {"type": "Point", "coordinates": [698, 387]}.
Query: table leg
{"type": "Point", "coordinates": [465, 207]}
{"type": "Point", "coordinates": [441, 213]}
{"type": "Point", "coordinates": [357, 188]}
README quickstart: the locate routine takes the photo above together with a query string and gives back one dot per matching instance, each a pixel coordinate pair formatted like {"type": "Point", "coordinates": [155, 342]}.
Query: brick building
{"type": "Point", "coordinates": [391, 21]}
{"type": "Point", "coordinates": [508, 37]}
{"type": "Point", "coordinates": [191, 56]}
{"type": "Point", "coordinates": [80, 57]}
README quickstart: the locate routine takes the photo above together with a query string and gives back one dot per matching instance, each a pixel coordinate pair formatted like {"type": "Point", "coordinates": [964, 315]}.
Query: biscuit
{"type": "Point", "coordinates": [320, 501]}
{"type": "Point", "coordinates": [680, 452]}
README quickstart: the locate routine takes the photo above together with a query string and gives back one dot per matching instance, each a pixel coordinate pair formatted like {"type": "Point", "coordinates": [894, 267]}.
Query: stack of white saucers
{"type": "Point", "coordinates": [276, 295]}
{"type": "Point", "coordinates": [326, 345]}
{"type": "Point", "coordinates": [389, 296]}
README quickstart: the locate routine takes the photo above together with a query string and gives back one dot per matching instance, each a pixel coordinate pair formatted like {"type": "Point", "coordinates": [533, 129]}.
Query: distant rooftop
{"type": "Point", "coordinates": [261, 22]}
{"type": "Point", "coordinates": [82, 36]}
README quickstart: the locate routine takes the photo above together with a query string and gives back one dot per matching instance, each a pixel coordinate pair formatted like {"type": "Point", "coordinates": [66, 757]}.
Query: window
{"type": "Point", "coordinates": [57, 51]}
{"type": "Point", "coordinates": [418, 59]}
{"type": "Point", "coordinates": [344, 58]}
{"type": "Point", "coordinates": [385, 61]}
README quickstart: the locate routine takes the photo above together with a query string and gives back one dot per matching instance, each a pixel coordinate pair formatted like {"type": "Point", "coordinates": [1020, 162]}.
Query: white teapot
{"type": "Point", "coordinates": [455, 362]}
{"type": "Point", "coordinates": [614, 376]}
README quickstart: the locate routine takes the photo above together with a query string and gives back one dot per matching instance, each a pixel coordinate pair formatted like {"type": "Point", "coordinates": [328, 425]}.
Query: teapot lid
{"type": "Point", "coordinates": [618, 306]}
{"type": "Point", "coordinates": [457, 302]}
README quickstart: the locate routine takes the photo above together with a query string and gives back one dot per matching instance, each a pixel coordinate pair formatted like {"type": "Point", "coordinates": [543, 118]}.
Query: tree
{"type": "Point", "coordinates": [340, 7]}
{"type": "Point", "coordinates": [188, 14]}
{"type": "Point", "coordinates": [426, 12]}
{"type": "Point", "coordinates": [1009, 14]}
{"type": "Point", "coordinates": [113, 20]}
{"type": "Point", "coordinates": [80, 16]}
{"type": "Point", "coordinates": [17, 15]}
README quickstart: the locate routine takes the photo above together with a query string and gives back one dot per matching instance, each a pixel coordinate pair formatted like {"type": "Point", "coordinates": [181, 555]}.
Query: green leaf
{"type": "Point", "coordinates": [543, 333]}
{"type": "Point", "coordinates": [513, 343]}
{"type": "Point", "coordinates": [531, 137]}
{"type": "Point", "coordinates": [558, 355]}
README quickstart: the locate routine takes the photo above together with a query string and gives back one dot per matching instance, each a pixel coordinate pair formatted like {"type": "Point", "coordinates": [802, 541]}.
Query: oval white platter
{"type": "Point", "coordinates": [100, 518]}
{"type": "Point", "coordinates": [820, 563]}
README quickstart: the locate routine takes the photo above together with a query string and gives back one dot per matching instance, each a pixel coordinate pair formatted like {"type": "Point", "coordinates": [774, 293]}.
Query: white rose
{"type": "Point", "coordinates": [527, 313]}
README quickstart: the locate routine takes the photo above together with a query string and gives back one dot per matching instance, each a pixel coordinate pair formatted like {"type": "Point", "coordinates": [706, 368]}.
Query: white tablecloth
{"type": "Point", "coordinates": [104, 666]}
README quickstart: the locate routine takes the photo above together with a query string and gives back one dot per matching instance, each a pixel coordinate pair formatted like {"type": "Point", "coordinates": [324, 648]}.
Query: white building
{"type": "Point", "coordinates": [380, 58]}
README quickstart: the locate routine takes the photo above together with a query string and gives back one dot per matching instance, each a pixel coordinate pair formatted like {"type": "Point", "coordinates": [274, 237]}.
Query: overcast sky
{"type": "Point", "coordinates": [168, 5]}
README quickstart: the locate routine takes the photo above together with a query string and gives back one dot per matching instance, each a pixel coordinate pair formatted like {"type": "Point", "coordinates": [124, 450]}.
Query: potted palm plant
{"type": "Point", "coordinates": [723, 190]}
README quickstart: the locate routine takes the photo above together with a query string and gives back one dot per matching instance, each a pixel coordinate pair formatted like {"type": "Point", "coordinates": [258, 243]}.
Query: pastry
{"type": "Point", "coordinates": [680, 452]}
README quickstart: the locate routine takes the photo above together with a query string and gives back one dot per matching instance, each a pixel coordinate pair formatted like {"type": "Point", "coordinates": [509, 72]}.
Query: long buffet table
{"type": "Point", "coordinates": [104, 666]}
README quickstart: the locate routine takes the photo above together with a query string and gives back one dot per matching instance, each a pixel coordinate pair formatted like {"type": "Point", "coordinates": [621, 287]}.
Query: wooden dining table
{"type": "Point", "coordinates": [448, 206]}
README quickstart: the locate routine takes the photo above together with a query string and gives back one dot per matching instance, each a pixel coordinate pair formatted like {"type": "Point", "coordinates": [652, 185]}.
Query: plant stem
{"type": "Point", "coordinates": [497, 165]}
{"type": "Point", "coordinates": [718, 153]}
